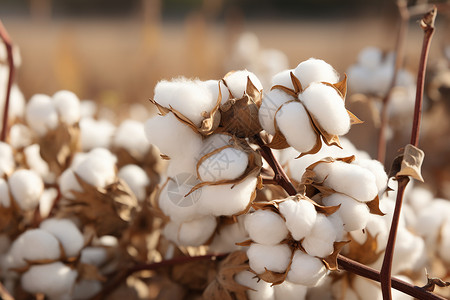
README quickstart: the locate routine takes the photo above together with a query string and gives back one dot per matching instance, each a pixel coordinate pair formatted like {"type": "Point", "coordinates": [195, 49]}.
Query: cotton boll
{"type": "Point", "coordinates": [315, 70]}
{"type": "Point", "coordinates": [130, 135]}
{"type": "Point", "coordinates": [377, 169]}
{"type": "Point", "coordinates": [46, 201]}
{"type": "Point", "coordinates": [181, 165]}
{"type": "Point", "coordinates": [382, 78]}
{"type": "Point", "coordinates": [265, 227]}
{"type": "Point", "coordinates": [275, 258]}
{"type": "Point", "coordinates": [213, 87]}
{"type": "Point", "coordinates": [283, 78]}
{"type": "Point", "coordinates": [20, 136]}
{"type": "Point", "coordinates": [367, 289]}
{"type": "Point", "coordinates": [327, 106]}
{"type": "Point", "coordinates": [300, 217]}
{"type": "Point", "coordinates": [172, 137]}
{"type": "Point", "coordinates": [54, 279]}
{"type": "Point", "coordinates": [408, 251]}
{"type": "Point", "coordinates": [353, 214]}
{"type": "Point", "coordinates": [290, 291]}
{"type": "Point", "coordinates": [320, 240]}
{"type": "Point", "coordinates": [338, 225]}
{"type": "Point", "coordinates": [88, 109]}
{"type": "Point", "coordinates": [228, 164]}
{"type": "Point", "coordinates": [271, 101]}
{"type": "Point", "coordinates": [93, 256]}
{"type": "Point", "coordinates": [259, 289]}
{"type": "Point", "coordinates": [376, 226]}
{"type": "Point", "coordinates": [191, 233]}
{"type": "Point", "coordinates": [293, 121]}
{"type": "Point", "coordinates": [95, 133]}
{"type": "Point", "coordinates": [227, 199]}
{"type": "Point", "coordinates": [68, 106]}
{"type": "Point", "coordinates": [67, 183]}
{"type": "Point", "coordinates": [306, 269]}
{"type": "Point", "coordinates": [419, 198]}
{"type": "Point", "coordinates": [86, 289]}
{"type": "Point", "coordinates": [370, 57]}
{"type": "Point", "coordinates": [26, 187]}
{"type": "Point", "coordinates": [96, 171]}
{"type": "Point", "coordinates": [37, 164]}
{"type": "Point", "coordinates": [226, 238]}
{"type": "Point", "coordinates": [237, 82]}
{"type": "Point", "coordinates": [136, 178]}
{"type": "Point", "coordinates": [430, 219]}
{"type": "Point", "coordinates": [101, 153]}
{"type": "Point", "coordinates": [67, 233]}
{"type": "Point", "coordinates": [6, 159]}
{"type": "Point", "coordinates": [41, 114]}
{"type": "Point", "coordinates": [359, 79]}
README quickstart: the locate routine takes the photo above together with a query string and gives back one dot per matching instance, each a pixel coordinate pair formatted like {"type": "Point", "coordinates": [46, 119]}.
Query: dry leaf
{"type": "Point", "coordinates": [374, 206]}
{"type": "Point", "coordinates": [365, 253]}
{"type": "Point", "coordinates": [331, 260]}
{"type": "Point", "coordinates": [433, 282]}
{"type": "Point", "coordinates": [411, 163]}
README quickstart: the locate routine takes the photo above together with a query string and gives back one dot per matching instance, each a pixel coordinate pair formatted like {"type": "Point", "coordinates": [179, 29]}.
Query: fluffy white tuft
{"type": "Point", "coordinates": [265, 227]}
{"type": "Point", "coordinates": [370, 57]}
{"type": "Point", "coordinates": [354, 214]}
{"type": "Point", "coordinates": [6, 159]}
{"type": "Point", "coordinates": [306, 269]}
{"type": "Point", "coordinates": [67, 233]}
{"type": "Point", "coordinates": [68, 106]}
{"type": "Point", "coordinates": [283, 78]}
{"type": "Point", "coordinates": [320, 241]}
{"type": "Point", "coordinates": [290, 291]}
{"type": "Point", "coordinates": [26, 187]}
{"type": "Point", "coordinates": [130, 135]}
{"type": "Point", "coordinates": [95, 133]}
{"type": "Point", "coordinates": [237, 82]}
{"type": "Point", "coordinates": [271, 101]}
{"type": "Point", "coordinates": [191, 233]}
{"type": "Point", "coordinates": [315, 70]}
{"type": "Point", "coordinates": [275, 258]}
{"type": "Point", "coordinates": [41, 114]}
{"type": "Point", "coordinates": [228, 164]}
{"type": "Point", "coordinates": [377, 169]}
{"type": "Point", "coordinates": [97, 171]}
{"type": "Point", "coordinates": [300, 217]}
{"type": "Point", "coordinates": [259, 289]}
{"type": "Point", "coordinates": [136, 178]}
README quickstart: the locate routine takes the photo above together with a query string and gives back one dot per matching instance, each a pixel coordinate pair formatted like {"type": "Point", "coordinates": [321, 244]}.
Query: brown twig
{"type": "Point", "coordinates": [8, 44]}
{"type": "Point", "coordinates": [399, 54]}
{"type": "Point", "coordinates": [4, 294]}
{"type": "Point", "coordinates": [427, 24]}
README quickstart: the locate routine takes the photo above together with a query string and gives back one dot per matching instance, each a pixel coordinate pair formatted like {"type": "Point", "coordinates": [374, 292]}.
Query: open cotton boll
{"type": "Point", "coordinates": [275, 258]}
{"type": "Point", "coordinates": [95, 133]}
{"type": "Point", "coordinates": [354, 214]}
{"type": "Point", "coordinates": [190, 98]}
{"type": "Point", "coordinates": [54, 279]}
{"type": "Point", "coordinates": [367, 289]}
{"type": "Point", "coordinates": [101, 153]}
{"type": "Point", "coordinates": [136, 178]}
{"type": "Point", "coordinates": [191, 233]}
{"type": "Point", "coordinates": [430, 219]}
{"type": "Point", "coordinates": [228, 164]}
{"type": "Point", "coordinates": [67, 183]}
{"type": "Point", "coordinates": [377, 169]}
{"type": "Point", "coordinates": [227, 236]}
{"type": "Point", "coordinates": [97, 171]}
{"type": "Point", "coordinates": [67, 233]}
{"type": "Point", "coordinates": [290, 291]}
{"type": "Point", "coordinates": [26, 187]}
{"type": "Point", "coordinates": [172, 137]}
{"type": "Point", "coordinates": [360, 79]}
{"type": "Point", "coordinates": [5, 201]}
{"type": "Point", "coordinates": [88, 109]}
{"type": "Point", "coordinates": [293, 121]}
{"type": "Point", "coordinates": [300, 217]}
{"type": "Point", "coordinates": [86, 289]}
{"type": "Point", "coordinates": [93, 255]}
{"type": "Point", "coordinates": [376, 226]}
{"type": "Point", "coordinates": [320, 241]}
{"type": "Point", "coordinates": [227, 199]}
{"type": "Point", "coordinates": [130, 135]}
{"type": "Point", "coordinates": [315, 70]}
{"type": "Point", "coordinates": [283, 78]}
{"type": "Point", "coordinates": [37, 164]}
{"type": "Point", "coordinates": [41, 114]}
{"type": "Point", "coordinates": [370, 57]}
{"type": "Point", "coordinates": [16, 102]}
{"type": "Point", "coordinates": [46, 201]}
{"type": "Point", "coordinates": [338, 225]}
{"type": "Point", "coordinates": [382, 78]}
{"type": "Point", "coordinates": [68, 106]}
{"type": "Point", "coordinates": [419, 198]}
{"type": "Point", "coordinates": [327, 106]}
{"type": "Point", "coordinates": [408, 251]}
{"type": "Point", "coordinates": [237, 82]}
{"type": "Point", "coordinates": [271, 101]}
{"type": "Point", "coordinates": [7, 163]}
{"type": "Point", "coordinates": [259, 289]}
{"type": "Point", "coordinates": [20, 136]}
{"type": "Point", "coordinates": [265, 227]}
{"type": "Point", "coordinates": [213, 87]}
{"type": "Point", "coordinates": [306, 269]}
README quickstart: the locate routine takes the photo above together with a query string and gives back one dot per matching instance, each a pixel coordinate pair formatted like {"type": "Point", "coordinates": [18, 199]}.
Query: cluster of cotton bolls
{"type": "Point", "coordinates": [305, 104]}
{"type": "Point", "coordinates": [210, 174]}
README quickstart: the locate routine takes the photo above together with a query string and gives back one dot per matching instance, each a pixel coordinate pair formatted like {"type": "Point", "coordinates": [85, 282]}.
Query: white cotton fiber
{"type": "Point", "coordinates": [68, 182]}
{"type": "Point", "coordinates": [283, 78]}
{"type": "Point", "coordinates": [359, 79]}
{"type": "Point", "coordinates": [35, 161]}
{"type": "Point", "coordinates": [237, 82]}
{"type": "Point", "coordinates": [300, 217]}
{"type": "Point", "coordinates": [419, 198]}
{"type": "Point", "coordinates": [136, 178]}
{"type": "Point", "coordinates": [190, 98]}
{"type": "Point", "coordinates": [377, 169]}
{"type": "Point", "coordinates": [6, 159]}
{"type": "Point", "coordinates": [228, 164]}
{"type": "Point", "coordinates": [16, 101]}
{"type": "Point", "coordinates": [382, 78]}
{"type": "Point", "coordinates": [275, 258]}
{"type": "Point", "coordinates": [54, 280]}
{"type": "Point", "coordinates": [172, 137]}
{"type": "Point", "coordinates": [306, 269]}
{"type": "Point", "coordinates": [191, 233]}
{"type": "Point", "coordinates": [354, 214]}
{"type": "Point", "coordinates": [376, 226]}
{"type": "Point", "coordinates": [408, 251]}
{"type": "Point", "coordinates": [130, 135]}
{"type": "Point", "coordinates": [293, 121]}
{"type": "Point", "coordinates": [41, 114]}
{"type": "Point", "coordinates": [227, 236]}
{"type": "Point", "coordinates": [265, 227]}
{"type": "Point", "coordinates": [227, 199]}
{"type": "Point", "coordinates": [327, 106]}
{"type": "Point", "coordinates": [370, 57]}
{"type": "Point", "coordinates": [101, 153]}
{"type": "Point", "coordinates": [26, 187]}
{"type": "Point", "coordinates": [68, 106]}
{"type": "Point", "coordinates": [95, 133]}
{"type": "Point", "coordinates": [338, 225]}
{"type": "Point", "coordinates": [430, 219]}
{"type": "Point", "coordinates": [315, 70]}
{"type": "Point", "coordinates": [366, 289]}
{"type": "Point", "coordinates": [5, 200]}
{"type": "Point", "coordinates": [88, 109]}
{"type": "Point", "coordinates": [93, 255]}
{"type": "Point", "coordinates": [259, 289]}
{"type": "Point", "coordinates": [271, 101]}
{"type": "Point", "coordinates": [319, 242]}
{"type": "Point", "coordinates": [20, 136]}
{"type": "Point", "coordinates": [290, 291]}
{"type": "Point", "coordinates": [97, 171]}
{"type": "Point", "coordinates": [444, 245]}
{"type": "Point", "coordinates": [46, 201]}
{"type": "Point", "coordinates": [67, 233]}
{"type": "Point", "coordinates": [213, 87]}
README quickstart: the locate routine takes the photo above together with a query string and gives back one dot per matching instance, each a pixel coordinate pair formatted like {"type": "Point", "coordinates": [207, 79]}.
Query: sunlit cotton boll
{"type": "Point", "coordinates": [67, 183]}
{"type": "Point", "coordinates": [271, 101]}
{"type": "Point", "coordinates": [370, 57]}
{"type": "Point", "coordinates": [67, 233]}
{"type": "Point", "coordinates": [228, 164]}
{"type": "Point", "coordinates": [56, 280]}
{"type": "Point", "coordinates": [275, 258]}
{"type": "Point", "coordinates": [36, 163]}
{"type": "Point", "coordinates": [136, 178]}
{"type": "Point", "coordinates": [20, 136]}
{"type": "Point", "coordinates": [213, 87]}
{"type": "Point", "coordinates": [354, 214]}
{"type": "Point", "coordinates": [265, 227]}
{"type": "Point", "coordinates": [306, 269]}
{"type": "Point", "coordinates": [259, 289]}
{"type": "Point", "coordinates": [320, 241]}
{"type": "Point", "coordinates": [41, 114]}
{"type": "Point", "coordinates": [377, 169]}
{"type": "Point", "coordinates": [227, 236]}
{"type": "Point", "coordinates": [290, 291]}
{"type": "Point", "coordinates": [237, 82]}
{"type": "Point", "coordinates": [130, 135]}
{"type": "Point", "coordinates": [327, 106]}
{"type": "Point", "coordinates": [97, 171]}
{"type": "Point", "coordinates": [95, 133]}
{"type": "Point", "coordinates": [191, 233]}
{"type": "Point", "coordinates": [6, 159]}
{"type": "Point", "coordinates": [88, 109]}
{"type": "Point", "coordinates": [68, 106]}
{"type": "Point", "coordinates": [300, 217]}
{"type": "Point", "coordinates": [430, 219]}
{"type": "Point", "coordinates": [283, 78]}
{"type": "Point", "coordinates": [26, 186]}
{"type": "Point", "coordinates": [46, 201]}
{"type": "Point", "coordinates": [293, 121]}
{"type": "Point", "coordinates": [315, 70]}
{"type": "Point", "coordinates": [359, 79]}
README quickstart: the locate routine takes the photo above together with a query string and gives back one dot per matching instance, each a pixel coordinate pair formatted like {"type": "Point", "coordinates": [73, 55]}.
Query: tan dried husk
{"type": "Point", "coordinates": [109, 209]}
{"type": "Point", "coordinates": [408, 164]}
{"type": "Point", "coordinates": [365, 253]}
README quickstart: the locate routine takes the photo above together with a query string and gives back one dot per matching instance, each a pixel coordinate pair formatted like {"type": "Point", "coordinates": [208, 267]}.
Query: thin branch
{"type": "Point", "coordinates": [427, 24]}
{"type": "Point", "coordinates": [8, 44]}
{"type": "Point", "coordinates": [4, 294]}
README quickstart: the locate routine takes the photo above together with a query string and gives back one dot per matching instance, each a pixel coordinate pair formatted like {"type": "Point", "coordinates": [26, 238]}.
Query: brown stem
{"type": "Point", "coordinates": [4, 293]}
{"type": "Point", "coordinates": [8, 44]}
{"type": "Point", "coordinates": [399, 53]}
{"type": "Point", "coordinates": [427, 24]}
